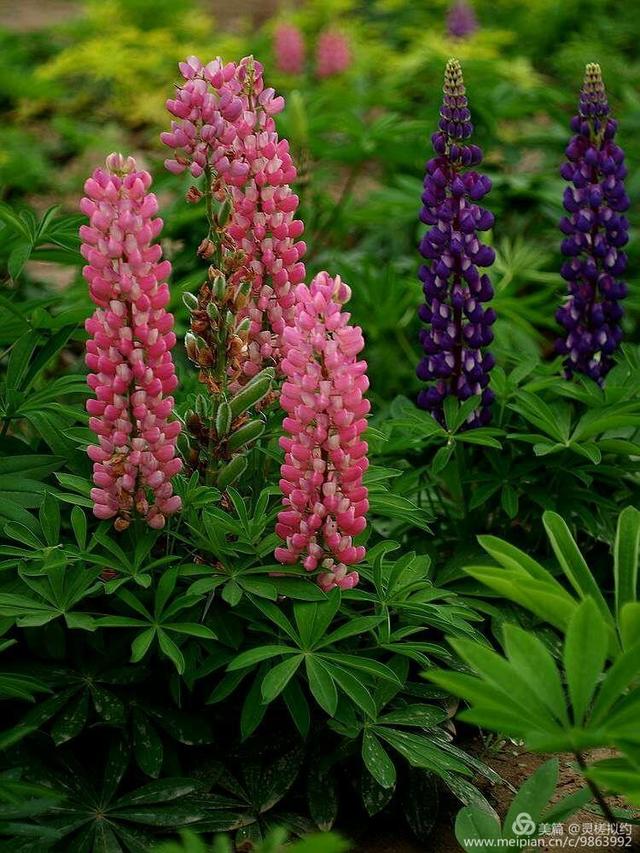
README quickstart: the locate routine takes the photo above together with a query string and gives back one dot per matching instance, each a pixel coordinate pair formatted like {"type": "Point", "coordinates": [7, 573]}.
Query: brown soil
{"type": "Point", "coordinates": [515, 765]}
{"type": "Point", "coordinates": [29, 15]}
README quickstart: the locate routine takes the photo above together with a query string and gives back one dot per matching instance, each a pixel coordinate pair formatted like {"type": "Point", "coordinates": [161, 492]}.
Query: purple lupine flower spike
{"type": "Point", "coordinates": [461, 20]}
{"type": "Point", "coordinates": [595, 230]}
{"type": "Point", "coordinates": [458, 325]}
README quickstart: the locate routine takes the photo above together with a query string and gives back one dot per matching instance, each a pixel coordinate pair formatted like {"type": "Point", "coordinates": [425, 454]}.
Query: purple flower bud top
{"type": "Point", "coordinates": [461, 20]}
{"type": "Point", "coordinates": [595, 230]}
{"type": "Point", "coordinates": [458, 325]}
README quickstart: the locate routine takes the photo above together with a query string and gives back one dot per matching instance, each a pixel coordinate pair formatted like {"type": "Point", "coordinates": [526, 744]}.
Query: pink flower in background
{"type": "Point", "coordinates": [325, 455]}
{"type": "Point", "coordinates": [289, 49]}
{"type": "Point", "coordinates": [333, 54]}
{"type": "Point", "coordinates": [129, 348]}
{"type": "Point", "coordinates": [225, 126]}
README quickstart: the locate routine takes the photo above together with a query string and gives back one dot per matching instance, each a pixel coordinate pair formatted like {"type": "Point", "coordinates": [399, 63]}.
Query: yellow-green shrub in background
{"type": "Point", "coordinates": [118, 64]}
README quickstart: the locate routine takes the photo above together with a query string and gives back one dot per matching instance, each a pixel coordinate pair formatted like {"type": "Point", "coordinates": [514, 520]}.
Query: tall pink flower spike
{"type": "Point", "coordinates": [325, 455]}
{"type": "Point", "coordinates": [289, 49]}
{"type": "Point", "coordinates": [226, 125]}
{"type": "Point", "coordinates": [129, 349]}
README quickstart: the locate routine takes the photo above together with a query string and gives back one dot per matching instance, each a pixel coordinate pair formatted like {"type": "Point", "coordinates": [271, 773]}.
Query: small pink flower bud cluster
{"type": "Point", "coordinates": [226, 125]}
{"type": "Point", "coordinates": [325, 456]}
{"type": "Point", "coordinates": [129, 349]}
{"type": "Point", "coordinates": [205, 106]}
{"type": "Point", "coordinates": [289, 49]}
{"type": "Point", "coordinates": [333, 54]}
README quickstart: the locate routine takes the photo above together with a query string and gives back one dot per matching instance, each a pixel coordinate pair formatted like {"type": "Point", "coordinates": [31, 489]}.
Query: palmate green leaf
{"type": "Point", "coordinates": [299, 589]}
{"type": "Point", "coordinates": [421, 716]}
{"type": "Point", "coordinates": [298, 707]}
{"type": "Point", "coordinates": [629, 619]}
{"type": "Point", "coordinates": [473, 825]}
{"type": "Point", "coordinates": [377, 760]}
{"type": "Point", "coordinates": [625, 557]}
{"type": "Point", "coordinates": [483, 436]}
{"type": "Point", "coordinates": [421, 751]}
{"type": "Point", "coordinates": [508, 680]}
{"type": "Point", "coordinates": [50, 519]}
{"type": "Point", "coordinates": [533, 796]}
{"type": "Point", "coordinates": [275, 615]}
{"type": "Point", "coordinates": [15, 685]}
{"type": "Point", "coordinates": [372, 667]}
{"type": "Point", "coordinates": [322, 794]}
{"type": "Point", "coordinates": [618, 678]}
{"type": "Point", "coordinates": [164, 590]}
{"type": "Point", "coordinates": [258, 654]}
{"type": "Point", "coordinates": [171, 650]}
{"type": "Point", "coordinates": [141, 644]}
{"type": "Point", "coordinates": [35, 718]}
{"type": "Point", "coordinates": [564, 808]}
{"type": "Point", "coordinates": [585, 652]}
{"type": "Point", "coordinates": [108, 706]}
{"type": "Point", "coordinates": [71, 720]}
{"type": "Point", "coordinates": [13, 221]}
{"type": "Point", "coordinates": [354, 627]}
{"type": "Point", "coordinates": [399, 508]}
{"type": "Point", "coordinates": [573, 563]}
{"type": "Point", "coordinates": [160, 791]}
{"type": "Point", "coordinates": [191, 629]}
{"type": "Point", "coordinates": [353, 688]}
{"type": "Point", "coordinates": [253, 708]}
{"type": "Point", "coordinates": [617, 775]}
{"type": "Point", "coordinates": [279, 677]}
{"type": "Point", "coordinates": [374, 796]}
{"type": "Point", "coordinates": [547, 600]}
{"type": "Point", "coordinates": [321, 685]}
{"type": "Point", "coordinates": [513, 558]}
{"type": "Point", "coordinates": [531, 659]}
{"type": "Point", "coordinates": [147, 744]}
{"type": "Point", "coordinates": [456, 413]}
{"type": "Point", "coordinates": [313, 619]}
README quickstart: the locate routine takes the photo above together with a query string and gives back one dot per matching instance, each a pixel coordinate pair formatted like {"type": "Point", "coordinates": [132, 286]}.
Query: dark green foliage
{"type": "Point", "coordinates": [150, 681]}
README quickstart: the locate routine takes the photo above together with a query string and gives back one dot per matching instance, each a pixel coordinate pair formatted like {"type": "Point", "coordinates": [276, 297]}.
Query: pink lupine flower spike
{"type": "Point", "coordinates": [325, 456]}
{"type": "Point", "coordinates": [129, 348]}
{"type": "Point", "coordinates": [224, 125]}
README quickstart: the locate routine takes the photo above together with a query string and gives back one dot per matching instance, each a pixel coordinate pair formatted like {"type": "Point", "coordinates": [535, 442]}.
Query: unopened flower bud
{"type": "Point", "coordinates": [206, 249]}
{"type": "Point", "coordinates": [190, 301]}
{"type": "Point", "coordinates": [224, 211]}
{"type": "Point", "coordinates": [220, 286]}
{"type": "Point", "coordinates": [193, 195]}
{"type": "Point", "coordinates": [191, 346]}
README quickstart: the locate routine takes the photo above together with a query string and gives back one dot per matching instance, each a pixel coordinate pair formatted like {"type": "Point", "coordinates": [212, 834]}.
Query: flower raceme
{"type": "Point", "coordinates": [459, 327]}
{"type": "Point", "coordinates": [325, 455]}
{"type": "Point", "coordinates": [595, 230]}
{"type": "Point", "coordinates": [289, 49]}
{"type": "Point", "coordinates": [225, 127]}
{"type": "Point", "coordinates": [129, 348]}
